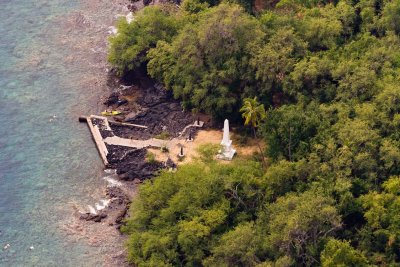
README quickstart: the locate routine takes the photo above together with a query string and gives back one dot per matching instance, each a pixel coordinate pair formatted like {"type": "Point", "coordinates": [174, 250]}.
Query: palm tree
{"type": "Point", "coordinates": [253, 112]}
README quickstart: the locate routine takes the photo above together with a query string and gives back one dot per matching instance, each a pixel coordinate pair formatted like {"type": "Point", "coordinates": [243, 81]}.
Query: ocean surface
{"type": "Point", "coordinates": [49, 166]}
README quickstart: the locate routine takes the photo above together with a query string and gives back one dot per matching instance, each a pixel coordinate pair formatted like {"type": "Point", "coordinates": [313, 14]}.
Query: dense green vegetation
{"type": "Point", "coordinates": [328, 74]}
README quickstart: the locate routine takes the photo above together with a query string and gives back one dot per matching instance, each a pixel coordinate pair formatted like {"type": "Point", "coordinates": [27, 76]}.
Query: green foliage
{"type": "Point", "coordinates": [179, 217]}
{"type": "Point", "coordinates": [207, 152]}
{"type": "Point", "coordinates": [320, 28]}
{"type": "Point", "coordinates": [206, 65]}
{"type": "Point", "coordinates": [312, 77]}
{"type": "Point", "coordinates": [383, 221]}
{"type": "Point", "coordinates": [284, 177]}
{"type": "Point", "coordinates": [340, 254]}
{"type": "Point", "coordinates": [237, 247]}
{"type": "Point", "coordinates": [252, 111]}
{"type": "Point", "coordinates": [299, 223]}
{"type": "Point", "coordinates": [163, 135]}
{"type": "Point", "coordinates": [327, 72]}
{"type": "Point", "coordinates": [288, 131]}
{"type": "Point", "coordinates": [275, 60]}
{"type": "Point", "coordinates": [194, 6]}
{"type": "Point", "coordinates": [150, 157]}
{"type": "Point", "coordinates": [391, 16]}
{"type": "Point", "coordinates": [129, 46]}
{"type": "Point", "coordinates": [164, 149]}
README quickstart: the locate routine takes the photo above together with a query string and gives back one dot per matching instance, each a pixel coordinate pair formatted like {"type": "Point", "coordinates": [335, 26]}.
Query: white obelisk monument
{"type": "Point", "coordinates": [227, 152]}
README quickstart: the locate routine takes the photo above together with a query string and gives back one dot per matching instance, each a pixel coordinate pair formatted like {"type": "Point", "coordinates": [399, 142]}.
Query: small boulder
{"type": "Point", "coordinates": [93, 217]}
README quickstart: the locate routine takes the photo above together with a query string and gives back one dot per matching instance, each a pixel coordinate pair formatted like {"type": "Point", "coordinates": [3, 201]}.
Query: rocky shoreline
{"type": "Point", "coordinates": [141, 101]}
{"type": "Point", "coordinates": [116, 209]}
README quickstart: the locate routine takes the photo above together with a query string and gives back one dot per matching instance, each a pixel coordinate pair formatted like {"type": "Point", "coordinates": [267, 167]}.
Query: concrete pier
{"type": "Point", "coordinates": [98, 139]}
{"type": "Point", "coordinates": [119, 141]}
{"type": "Point", "coordinates": [153, 142]}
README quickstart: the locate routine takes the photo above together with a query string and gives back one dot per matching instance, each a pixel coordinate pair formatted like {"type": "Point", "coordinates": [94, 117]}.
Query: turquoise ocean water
{"type": "Point", "coordinates": [48, 162]}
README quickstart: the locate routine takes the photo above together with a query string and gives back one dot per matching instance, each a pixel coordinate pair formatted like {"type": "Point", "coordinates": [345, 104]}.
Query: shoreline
{"type": "Point", "coordinates": [93, 20]}
{"type": "Point", "coordinates": [151, 115]}
{"type": "Point", "coordinates": [102, 228]}
{"type": "Point", "coordinates": [145, 102]}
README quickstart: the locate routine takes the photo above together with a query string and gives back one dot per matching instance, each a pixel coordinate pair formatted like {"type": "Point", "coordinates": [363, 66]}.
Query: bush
{"type": "Point", "coordinates": [129, 46]}
{"type": "Point", "coordinates": [163, 135]}
{"type": "Point", "coordinates": [208, 152]}
{"type": "Point", "coordinates": [178, 217]}
{"type": "Point", "coordinates": [150, 157]}
{"type": "Point", "coordinates": [340, 253]}
{"type": "Point", "coordinates": [164, 149]}
{"type": "Point", "coordinates": [328, 74]}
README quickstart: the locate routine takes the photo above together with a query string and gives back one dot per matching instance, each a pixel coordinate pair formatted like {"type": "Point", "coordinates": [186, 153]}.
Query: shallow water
{"type": "Point", "coordinates": [49, 166]}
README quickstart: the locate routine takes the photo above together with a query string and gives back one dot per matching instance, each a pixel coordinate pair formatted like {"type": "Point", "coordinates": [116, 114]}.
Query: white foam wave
{"type": "Point", "coordinates": [92, 210]}
{"type": "Point", "coordinates": [104, 203]}
{"type": "Point", "coordinates": [112, 182]}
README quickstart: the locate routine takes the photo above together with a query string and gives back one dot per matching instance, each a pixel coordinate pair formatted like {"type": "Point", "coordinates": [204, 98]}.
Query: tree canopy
{"type": "Point", "coordinates": [207, 64]}
{"type": "Point", "coordinates": [327, 73]}
{"type": "Point", "coordinates": [133, 40]}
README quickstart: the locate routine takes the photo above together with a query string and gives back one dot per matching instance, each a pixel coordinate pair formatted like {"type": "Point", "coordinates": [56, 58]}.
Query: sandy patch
{"type": "Point", "coordinates": [190, 149]}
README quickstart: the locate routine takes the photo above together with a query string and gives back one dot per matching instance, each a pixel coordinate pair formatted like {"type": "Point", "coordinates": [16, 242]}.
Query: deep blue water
{"type": "Point", "coordinates": [48, 162]}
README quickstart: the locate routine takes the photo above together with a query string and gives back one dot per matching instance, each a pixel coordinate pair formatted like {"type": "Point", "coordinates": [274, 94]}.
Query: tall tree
{"type": "Point", "coordinates": [299, 223]}
{"type": "Point", "coordinates": [128, 48]}
{"type": "Point", "coordinates": [207, 64]}
{"type": "Point", "coordinates": [341, 253]}
{"type": "Point", "coordinates": [253, 113]}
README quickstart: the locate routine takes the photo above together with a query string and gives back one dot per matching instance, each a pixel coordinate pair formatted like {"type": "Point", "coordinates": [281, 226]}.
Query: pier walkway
{"type": "Point", "coordinates": [119, 141]}
{"type": "Point", "coordinates": [98, 139]}
{"type": "Point", "coordinates": [153, 142]}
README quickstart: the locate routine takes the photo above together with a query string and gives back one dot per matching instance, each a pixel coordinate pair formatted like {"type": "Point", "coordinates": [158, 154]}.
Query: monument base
{"type": "Point", "coordinates": [226, 155]}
